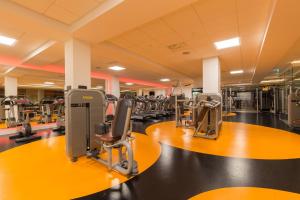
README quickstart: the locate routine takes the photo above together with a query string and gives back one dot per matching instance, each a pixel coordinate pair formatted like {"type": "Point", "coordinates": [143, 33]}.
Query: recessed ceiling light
{"type": "Point", "coordinates": [165, 80]}
{"type": "Point", "coordinates": [117, 68]}
{"type": "Point", "coordinates": [272, 81]}
{"type": "Point", "coordinates": [233, 42]}
{"type": "Point", "coordinates": [237, 72]}
{"type": "Point", "coordinates": [295, 62]}
{"type": "Point", "coordinates": [7, 40]}
{"type": "Point", "coordinates": [48, 83]}
{"type": "Point", "coordinates": [129, 83]}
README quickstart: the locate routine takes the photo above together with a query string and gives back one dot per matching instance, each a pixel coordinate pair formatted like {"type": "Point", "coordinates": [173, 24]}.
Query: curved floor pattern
{"type": "Point", "coordinates": [53, 176]}
{"type": "Point", "coordinates": [236, 140]}
{"type": "Point", "coordinates": [246, 193]}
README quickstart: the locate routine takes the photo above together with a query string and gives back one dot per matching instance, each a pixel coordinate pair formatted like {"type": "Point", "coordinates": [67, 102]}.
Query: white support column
{"type": "Point", "coordinates": [115, 86]}
{"type": "Point", "coordinates": [40, 94]}
{"type": "Point", "coordinates": [11, 89]}
{"type": "Point", "coordinates": [112, 86]}
{"type": "Point", "coordinates": [77, 64]}
{"type": "Point", "coordinates": [211, 75]}
{"type": "Point", "coordinates": [140, 92]}
{"type": "Point", "coordinates": [10, 86]}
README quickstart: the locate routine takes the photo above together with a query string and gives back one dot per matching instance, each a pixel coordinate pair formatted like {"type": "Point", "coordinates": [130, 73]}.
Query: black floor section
{"type": "Point", "coordinates": [263, 119]}
{"type": "Point", "coordinates": [180, 174]}
{"type": "Point", "coordinates": [6, 143]}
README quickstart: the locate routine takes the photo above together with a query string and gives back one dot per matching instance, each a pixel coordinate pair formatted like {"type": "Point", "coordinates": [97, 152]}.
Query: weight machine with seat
{"type": "Point", "coordinates": [88, 134]}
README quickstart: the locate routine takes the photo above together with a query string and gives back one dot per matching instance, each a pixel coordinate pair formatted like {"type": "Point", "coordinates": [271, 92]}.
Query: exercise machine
{"type": "Point", "coordinates": [9, 106]}
{"type": "Point", "coordinates": [294, 109]}
{"type": "Point", "coordinates": [140, 109]}
{"type": "Point", "coordinates": [181, 112]}
{"type": "Point", "coordinates": [88, 134]}
{"type": "Point", "coordinates": [46, 110]}
{"type": "Point", "coordinates": [59, 107]}
{"type": "Point", "coordinates": [24, 131]}
{"type": "Point", "coordinates": [208, 116]}
{"type": "Point", "coordinates": [203, 114]}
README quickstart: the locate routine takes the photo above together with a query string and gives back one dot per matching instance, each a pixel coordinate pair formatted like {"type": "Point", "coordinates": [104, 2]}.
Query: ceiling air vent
{"type": "Point", "coordinates": [177, 46]}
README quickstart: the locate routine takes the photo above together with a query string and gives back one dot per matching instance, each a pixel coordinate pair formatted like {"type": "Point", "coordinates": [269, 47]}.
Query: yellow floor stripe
{"type": "Point", "coordinates": [246, 193]}
{"type": "Point", "coordinates": [41, 170]}
{"type": "Point", "coordinates": [235, 140]}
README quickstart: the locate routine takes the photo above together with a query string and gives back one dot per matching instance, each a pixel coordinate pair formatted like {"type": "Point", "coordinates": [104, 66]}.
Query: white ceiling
{"type": "Point", "coordinates": [151, 44]}
{"type": "Point", "coordinates": [65, 11]}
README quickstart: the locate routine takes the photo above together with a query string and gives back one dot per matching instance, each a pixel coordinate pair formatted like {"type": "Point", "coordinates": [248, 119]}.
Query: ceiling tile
{"type": "Point", "coordinates": [36, 5]}
{"type": "Point", "coordinates": [61, 14]}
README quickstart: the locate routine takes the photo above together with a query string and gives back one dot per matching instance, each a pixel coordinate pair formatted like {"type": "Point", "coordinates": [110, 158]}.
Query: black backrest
{"type": "Point", "coordinates": [119, 122]}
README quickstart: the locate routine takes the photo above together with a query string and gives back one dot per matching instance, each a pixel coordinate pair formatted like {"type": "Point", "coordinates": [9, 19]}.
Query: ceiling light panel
{"type": "Point", "coordinates": [237, 72]}
{"type": "Point", "coordinates": [233, 42]}
{"type": "Point", "coordinates": [165, 80]}
{"type": "Point", "coordinates": [7, 40]}
{"type": "Point", "coordinates": [117, 68]}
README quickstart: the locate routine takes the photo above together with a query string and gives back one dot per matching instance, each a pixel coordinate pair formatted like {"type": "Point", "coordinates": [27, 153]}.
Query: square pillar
{"type": "Point", "coordinates": [112, 86]}
{"type": "Point", "coordinates": [40, 94]}
{"type": "Point", "coordinates": [211, 75]}
{"type": "Point", "coordinates": [10, 86]}
{"type": "Point", "coordinates": [77, 64]}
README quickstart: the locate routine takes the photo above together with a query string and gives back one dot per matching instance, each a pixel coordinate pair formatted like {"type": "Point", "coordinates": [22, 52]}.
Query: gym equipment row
{"type": "Point", "coordinates": [282, 100]}
{"type": "Point", "coordinates": [18, 112]}
{"type": "Point", "coordinates": [151, 107]}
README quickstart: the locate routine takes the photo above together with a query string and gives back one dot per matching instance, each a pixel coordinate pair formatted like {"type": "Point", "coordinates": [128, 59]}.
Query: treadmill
{"type": "Point", "coordinates": [139, 112]}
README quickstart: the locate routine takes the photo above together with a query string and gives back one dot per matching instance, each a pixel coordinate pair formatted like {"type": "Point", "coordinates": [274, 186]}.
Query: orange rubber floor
{"type": "Point", "coordinates": [41, 170]}
{"type": "Point", "coordinates": [236, 140]}
{"type": "Point", "coordinates": [246, 193]}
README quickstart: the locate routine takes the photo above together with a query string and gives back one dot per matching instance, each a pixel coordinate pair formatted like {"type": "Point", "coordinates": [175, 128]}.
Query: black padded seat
{"type": "Point", "coordinates": [119, 122]}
